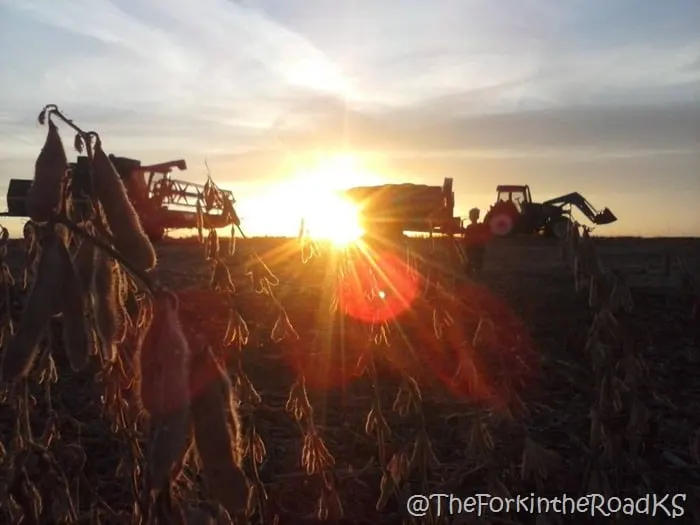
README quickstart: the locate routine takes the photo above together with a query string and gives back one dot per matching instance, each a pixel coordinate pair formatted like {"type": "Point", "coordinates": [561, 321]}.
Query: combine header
{"type": "Point", "coordinates": [390, 210]}
{"type": "Point", "coordinates": [162, 203]}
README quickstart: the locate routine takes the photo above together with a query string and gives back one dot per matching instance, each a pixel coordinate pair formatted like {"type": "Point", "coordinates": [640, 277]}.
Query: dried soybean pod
{"type": "Point", "coordinates": [44, 195]}
{"type": "Point", "coordinates": [74, 323]}
{"type": "Point", "coordinates": [123, 221]}
{"type": "Point", "coordinates": [166, 448]}
{"type": "Point", "coordinates": [84, 262]}
{"type": "Point", "coordinates": [197, 516]}
{"type": "Point", "coordinates": [141, 320]}
{"type": "Point", "coordinates": [212, 246]}
{"type": "Point", "coordinates": [165, 355]}
{"type": "Point", "coordinates": [217, 434]}
{"type": "Point", "coordinates": [43, 301]}
{"type": "Point", "coordinates": [104, 302]}
{"type": "Point", "coordinates": [232, 240]}
{"type": "Point", "coordinates": [165, 391]}
{"type": "Point", "coordinates": [200, 221]}
{"type": "Point", "coordinates": [221, 277]}
{"type": "Point", "coordinates": [121, 294]}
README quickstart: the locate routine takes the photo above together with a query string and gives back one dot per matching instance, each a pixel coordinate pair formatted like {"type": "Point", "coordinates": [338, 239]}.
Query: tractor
{"type": "Point", "coordinates": [514, 213]}
{"type": "Point", "coordinates": [389, 210]}
{"type": "Point", "coordinates": [161, 202]}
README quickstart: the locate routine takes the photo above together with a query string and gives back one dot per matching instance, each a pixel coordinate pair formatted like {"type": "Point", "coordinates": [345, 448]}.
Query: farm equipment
{"type": "Point", "coordinates": [161, 202]}
{"type": "Point", "coordinates": [514, 213]}
{"type": "Point", "coordinates": [389, 210]}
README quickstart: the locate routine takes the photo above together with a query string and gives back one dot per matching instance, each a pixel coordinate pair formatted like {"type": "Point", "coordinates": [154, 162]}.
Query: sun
{"type": "Point", "coordinates": [334, 218]}
{"type": "Point", "coordinates": [328, 214]}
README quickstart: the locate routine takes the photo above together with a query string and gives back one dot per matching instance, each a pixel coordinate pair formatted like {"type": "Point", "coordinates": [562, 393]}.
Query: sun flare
{"type": "Point", "coordinates": [328, 215]}
{"type": "Point", "coordinates": [335, 219]}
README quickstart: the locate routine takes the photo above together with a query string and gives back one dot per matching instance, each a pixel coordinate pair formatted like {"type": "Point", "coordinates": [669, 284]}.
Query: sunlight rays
{"type": "Point", "coordinates": [335, 219]}
{"type": "Point", "coordinates": [328, 215]}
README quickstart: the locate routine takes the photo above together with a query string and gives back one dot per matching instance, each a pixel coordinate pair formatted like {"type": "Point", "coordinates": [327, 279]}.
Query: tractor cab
{"type": "Point", "coordinates": [133, 182]}
{"type": "Point", "coordinates": [514, 211]}
{"type": "Point", "coordinates": [140, 181]}
{"type": "Point", "coordinates": [517, 195]}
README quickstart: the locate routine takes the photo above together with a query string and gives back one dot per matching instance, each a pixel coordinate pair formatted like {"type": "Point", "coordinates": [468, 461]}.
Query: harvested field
{"type": "Point", "coordinates": [540, 386]}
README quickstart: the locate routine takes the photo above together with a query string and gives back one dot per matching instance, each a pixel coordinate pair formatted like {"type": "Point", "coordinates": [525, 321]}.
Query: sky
{"type": "Point", "coordinates": [596, 96]}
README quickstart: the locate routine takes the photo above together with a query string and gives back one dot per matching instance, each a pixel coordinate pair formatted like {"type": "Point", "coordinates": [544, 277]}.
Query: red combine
{"type": "Point", "coordinates": [162, 203]}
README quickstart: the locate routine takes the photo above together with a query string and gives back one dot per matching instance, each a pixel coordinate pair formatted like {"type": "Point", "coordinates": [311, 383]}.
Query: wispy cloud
{"type": "Point", "coordinates": [233, 64]}
{"type": "Point", "coordinates": [422, 86]}
{"type": "Point", "coordinates": [123, 65]}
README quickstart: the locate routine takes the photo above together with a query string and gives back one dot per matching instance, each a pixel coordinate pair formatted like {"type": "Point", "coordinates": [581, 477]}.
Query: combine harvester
{"type": "Point", "coordinates": [514, 213]}
{"type": "Point", "coordinates": [162, 203]}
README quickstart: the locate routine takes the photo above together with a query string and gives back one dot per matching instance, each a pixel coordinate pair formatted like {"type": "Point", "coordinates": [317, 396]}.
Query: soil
{"type": "Point", "coordinates": [539, 384]}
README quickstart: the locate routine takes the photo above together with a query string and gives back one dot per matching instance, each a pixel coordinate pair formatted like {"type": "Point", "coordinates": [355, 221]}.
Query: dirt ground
{"type": "Point", "coordinates": [528, 276]}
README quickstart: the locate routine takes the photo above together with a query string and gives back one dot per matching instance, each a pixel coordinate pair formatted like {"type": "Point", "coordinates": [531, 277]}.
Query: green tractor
{"type": "Point", "coordinates": [514, 213]}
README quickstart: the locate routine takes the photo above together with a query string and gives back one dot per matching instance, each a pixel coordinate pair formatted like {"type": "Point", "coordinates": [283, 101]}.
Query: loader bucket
{"type": "Point", "coordinates": [604, 216]}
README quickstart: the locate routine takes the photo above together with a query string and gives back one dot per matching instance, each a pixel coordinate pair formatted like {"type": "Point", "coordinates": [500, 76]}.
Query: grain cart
{"type": "Point", "coordinates": [161, 202]}
{"type": "Point", "coordinates": [389, 210]}
{"type": "Point", "coordinates": [514, 212]}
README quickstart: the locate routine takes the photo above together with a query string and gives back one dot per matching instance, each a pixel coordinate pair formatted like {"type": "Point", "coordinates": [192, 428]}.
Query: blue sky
{"type": "Point", "coordinates": [598, 96]}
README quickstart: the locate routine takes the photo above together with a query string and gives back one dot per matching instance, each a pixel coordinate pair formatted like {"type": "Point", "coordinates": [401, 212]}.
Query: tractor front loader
{"type": "Point", "coordinates": [161, 202]}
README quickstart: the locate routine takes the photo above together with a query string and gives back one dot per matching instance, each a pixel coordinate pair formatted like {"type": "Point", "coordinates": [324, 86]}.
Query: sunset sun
{"type": "Point", "coordinates": [334, 219]}
{"type": "Point", "coordinates": [328, 215]}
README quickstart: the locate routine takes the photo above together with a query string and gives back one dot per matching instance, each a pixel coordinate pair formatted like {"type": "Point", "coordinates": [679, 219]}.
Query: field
{"type": "Point", "coordinates": [538, 393]}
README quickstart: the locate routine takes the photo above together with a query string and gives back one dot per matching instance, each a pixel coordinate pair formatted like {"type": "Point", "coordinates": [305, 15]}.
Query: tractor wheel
{"type": "Point", "coordinates": [501, 224]}
{"type": "Point", "coordinates": [501, 218]}
{"type": "Point", "coordinates": [557, 228]}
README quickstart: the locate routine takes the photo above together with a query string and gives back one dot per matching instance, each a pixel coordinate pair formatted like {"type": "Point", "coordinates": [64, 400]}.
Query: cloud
{"type": "Point", "coordinates": [425, 89]}
{"type": "Point", "coordinates": [218, 54]}
{"type": "Point", "coordinates": [428, 129]}
{"type": "Point", "coordinates": [209, 61]}
{"type": "Point", "coordinates": [403, 53]}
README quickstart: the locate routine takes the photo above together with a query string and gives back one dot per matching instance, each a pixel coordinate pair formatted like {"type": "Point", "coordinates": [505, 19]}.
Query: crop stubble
{"type": "Point", "coordinates": [526, 274]}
